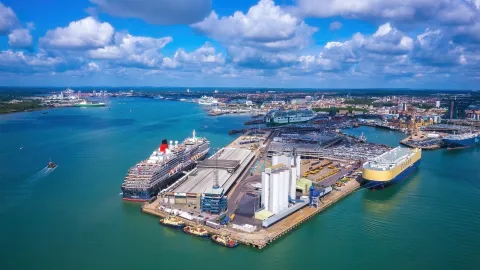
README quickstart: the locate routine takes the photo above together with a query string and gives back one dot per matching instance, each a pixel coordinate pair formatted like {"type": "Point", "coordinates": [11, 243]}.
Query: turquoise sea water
{"type": "Point", "coordinates": [74, 218]}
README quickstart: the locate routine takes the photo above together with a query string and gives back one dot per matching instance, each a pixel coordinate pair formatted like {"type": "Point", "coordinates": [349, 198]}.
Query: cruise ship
{"type": "Point", "coordinates": [462, 140]}
{"type": "Point", "coordinates": [391, 167]}
{"type": "Point", "coordinates": [165, 164]}
{"type": "Point", "coordinates": [204, 100]}
{"type": "Point", "coordinates": [288, 117]}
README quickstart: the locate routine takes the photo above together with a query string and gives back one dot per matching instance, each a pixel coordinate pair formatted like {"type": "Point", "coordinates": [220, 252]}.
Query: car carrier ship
{"type": "Point", "coordinates": [165, 164]}
{"type": "Point", "coordinates": [462, 140]}
{"type": "Point", "coordinates": [391, 167]}
{"type": "Point", "coordinates": [288, 117]}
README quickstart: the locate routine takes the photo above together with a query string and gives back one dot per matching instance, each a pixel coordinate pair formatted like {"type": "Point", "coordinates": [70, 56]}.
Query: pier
{"type": "Point", "coordinates": [265, 236]}
{"type": "Point", "coordinates": [236, 170]}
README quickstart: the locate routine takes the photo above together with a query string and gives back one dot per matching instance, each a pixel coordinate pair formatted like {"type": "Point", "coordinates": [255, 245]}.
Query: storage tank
{"type": "Point", "coordinates": [265, 190]}
{"type": "Point", "coordinates": [275, 160]}
{"type": "Point", "coordinates": [293, 182]}
{"type": "Point", "coordinates": [274, 194]}
{"type": "Point", "coordinates": [298, 162]}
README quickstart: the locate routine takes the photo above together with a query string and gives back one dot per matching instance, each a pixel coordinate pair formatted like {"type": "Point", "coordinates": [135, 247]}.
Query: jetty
{"type": "Point", "coordinates": [262, 238]}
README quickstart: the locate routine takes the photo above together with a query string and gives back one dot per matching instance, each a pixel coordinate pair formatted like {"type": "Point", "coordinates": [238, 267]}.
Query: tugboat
{"type": "Point", "coordinates": [173, 222]}
{"type": "Point", "coordinates": [51, 165]}
{"type": "Point", "coordinates": [224, 240]}
{"type": "Point", "coordinates": [196, 231]}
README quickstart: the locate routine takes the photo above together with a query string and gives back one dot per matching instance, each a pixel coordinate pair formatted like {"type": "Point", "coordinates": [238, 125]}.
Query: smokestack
{"type": "Point", "coordinates": [163, 146]}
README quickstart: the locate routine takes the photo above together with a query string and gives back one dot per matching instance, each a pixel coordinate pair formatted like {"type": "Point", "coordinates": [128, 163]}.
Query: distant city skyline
{"type": "Point", "coordinates": [356, 44]}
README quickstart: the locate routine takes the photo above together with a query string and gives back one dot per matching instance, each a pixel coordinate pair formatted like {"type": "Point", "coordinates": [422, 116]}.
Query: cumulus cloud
{"type": "Point", "coordinates": [335, 26]}
{"type": "Point", "coordinates": [205, 55]}
{"type": "Point", "coordinates": [443, 11]}
{"type": "Point", "coordinates": [8, 19]}
{"type": "Point", "coordinates": [20, 62]}
{"type": "Point", "coordinates": [128, 50]}
{"type": "Point", "coordinates": [265, 26]}
{"type": "Point", "coordinates": [434, 48]}
{"type": "Point", "coordinates": [87, 33]}
{"type": "Point", "coordinates": [386, 46]}
{"type": "Point", "coordinates": [20, 38]}
{"type": "Point", "coordinates": [157, 11]}
{"type": "Point", "coordinates": [389, 40]}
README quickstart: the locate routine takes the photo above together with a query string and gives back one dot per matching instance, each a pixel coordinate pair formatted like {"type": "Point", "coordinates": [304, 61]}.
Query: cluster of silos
{"type": "Point", "coordinates": [279, 183]}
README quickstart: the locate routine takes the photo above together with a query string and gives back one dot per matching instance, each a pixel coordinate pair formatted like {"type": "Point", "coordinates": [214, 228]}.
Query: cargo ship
{"type": "Point", "coordinates": [166, 164]}
{"type": "Point", "coordinates": [462, 140]}
{"type": "Point", "coordinates": [391, 167]}
{"type": "Point", "coordinates": [224, 240]}
{"type": "Point", "coordinates": [85, 103]}
{"type": "Point", "coordinates": [172, 222]}
{"type": "Point", "coordinates": [196, 231]}
{"type": "Point", "coordinates": [288, 117]}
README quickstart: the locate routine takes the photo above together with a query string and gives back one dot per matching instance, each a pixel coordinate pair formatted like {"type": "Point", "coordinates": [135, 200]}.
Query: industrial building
{"type": "Point", "coordinates": [228, 165]}
{"type": "Point", "coordinates": [279, 183]}
{"type": "Point", "coordinates": [213, 201]}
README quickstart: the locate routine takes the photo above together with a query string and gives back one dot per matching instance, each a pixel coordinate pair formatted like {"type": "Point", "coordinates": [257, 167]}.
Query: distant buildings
{"type": "Point", "coordinates": [472, 112]}
{"type": "Point", "coordinates": [452, 110]}
{"type": "Point", "coordinates": [437, 104]}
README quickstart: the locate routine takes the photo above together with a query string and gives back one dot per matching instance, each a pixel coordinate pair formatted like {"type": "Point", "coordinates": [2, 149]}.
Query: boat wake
{"type": "Point", "coordinates": [41, 174]}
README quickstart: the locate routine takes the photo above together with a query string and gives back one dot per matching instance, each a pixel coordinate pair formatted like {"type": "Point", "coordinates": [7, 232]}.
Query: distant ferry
{"type": "Point", "coordinates": [85, 103]}
{"type": "Point", "coordinates": [204, 100]}
{"type": "Point", "coordinates": [288, 117]}
{"type": "Point", "coordinates": [391, 167]}
{"type": "Point", "coordinates": [164, 165]}
{"type": "Point", "coordinates": [462, 140]}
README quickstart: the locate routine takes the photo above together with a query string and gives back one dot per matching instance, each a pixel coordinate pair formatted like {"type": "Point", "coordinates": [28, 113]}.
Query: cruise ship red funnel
{"type": "Point", "coordinates": [164, 146]}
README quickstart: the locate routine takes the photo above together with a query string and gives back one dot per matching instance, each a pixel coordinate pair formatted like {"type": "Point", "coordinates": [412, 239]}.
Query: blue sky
{"type": "Point", "coordinates": [249, 43]}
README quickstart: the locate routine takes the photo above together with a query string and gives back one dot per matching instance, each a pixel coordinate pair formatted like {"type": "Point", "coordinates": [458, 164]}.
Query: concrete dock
{"type": "Point", "coordinates": [260, 239]}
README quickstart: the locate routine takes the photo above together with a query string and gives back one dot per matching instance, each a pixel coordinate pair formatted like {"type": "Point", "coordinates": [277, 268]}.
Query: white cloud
{"type": "Point", "coordinates": [19, 62]}
{"type": "Point", "coordinates": [8, 19]}
{"type": "Point", "coordinates": [389, 40]}
{"type": "Point", "coordinates": [205, 55]}
{"type": "Point", "coordinates": [20, 38]}
{"type": "Point", "coordinates": [335, 26]}
{"type": "Point", "coordinates": [434, 48]}
{"type": "Point", "coordinates": [157, 11]}
{"type": "Point", "coordinates": [87, 33]}
{"type": "Point", "coordinates": [92, 66]}
{"type": "Point", "coordinates": [128, 50]}
{"type": "Point", "coordinates": [265, 25]}
{"type": "Point", "coordinates": [407, 11]}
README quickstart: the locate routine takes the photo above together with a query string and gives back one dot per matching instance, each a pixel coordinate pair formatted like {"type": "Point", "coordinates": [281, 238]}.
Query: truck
{"type": "Point", "coordinates": [212, 224]}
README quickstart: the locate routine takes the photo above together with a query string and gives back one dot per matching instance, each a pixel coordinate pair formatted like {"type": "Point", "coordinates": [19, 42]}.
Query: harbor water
{"type": "Point", "coordinates": [73, 217]}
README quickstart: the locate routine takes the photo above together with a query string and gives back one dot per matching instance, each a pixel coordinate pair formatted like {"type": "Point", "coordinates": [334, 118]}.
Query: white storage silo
{"type": "Point", "coordinates": [275, 192]}
{"type": "Point", "coordinates": [275, 160]}
{"type": "Point", "coordinates": [298, 162]}
{"type": "Point", "coordinates": [293, 182]}
{"type": "Point", "coordinates": [265, 190]}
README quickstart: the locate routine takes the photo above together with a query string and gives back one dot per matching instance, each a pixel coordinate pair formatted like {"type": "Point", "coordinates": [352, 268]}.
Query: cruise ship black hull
{"type": "Point", "coordinates": [135, 195]}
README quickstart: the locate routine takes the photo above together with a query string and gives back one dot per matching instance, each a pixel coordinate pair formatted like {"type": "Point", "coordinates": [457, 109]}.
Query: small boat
{"type": "Point", "coordinates": [172, 222]}
{"type": "Point", "coordinates": [224, 240]}
{"type": "Point", "coordinates": [51, 165]}
{"type": "Point", "coordinates": [196, 231]}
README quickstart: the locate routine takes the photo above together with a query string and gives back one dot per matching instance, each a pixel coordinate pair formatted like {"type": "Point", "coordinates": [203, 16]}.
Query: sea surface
{"type": "Point", "coordinates": [74, 218]}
